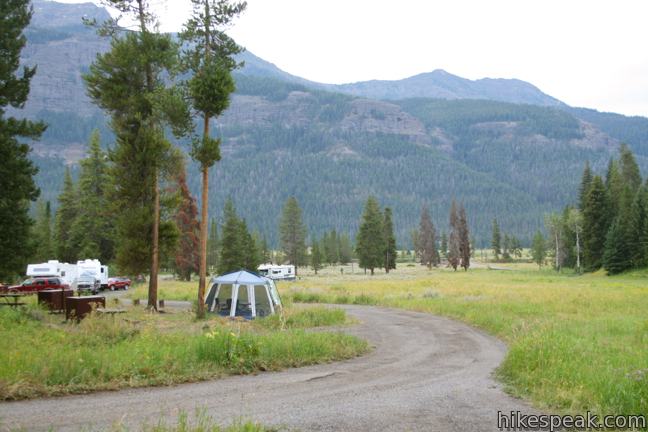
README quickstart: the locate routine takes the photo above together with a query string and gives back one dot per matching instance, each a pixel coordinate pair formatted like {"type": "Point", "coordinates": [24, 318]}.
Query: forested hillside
{"type": "Point", "coordinates": [284, 136]}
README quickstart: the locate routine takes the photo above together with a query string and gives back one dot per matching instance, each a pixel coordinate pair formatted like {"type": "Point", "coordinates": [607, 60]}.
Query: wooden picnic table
{"type": "Point", "coordinates": [11, 299]}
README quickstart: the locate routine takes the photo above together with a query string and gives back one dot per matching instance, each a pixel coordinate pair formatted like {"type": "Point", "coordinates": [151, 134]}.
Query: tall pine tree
{"type": "Point", "coordinates": [293, 233]}
{"type": "Point", "coordinates": [425, 241]}
{"type": "Point", "coordinates": [454, 242]}
{"type": "Point", "coordinates": [464, 238]}
{"type": "Point", "coordinates": [496, 241]}
{"type": "Point", "coordinates": [65, 249]}
{"type": "Point", "coordinates": [17, 187]}
{"type": "Point", "coordinates": [186, 218]}
{"type": "Point", "coordinates": [370, 242]}
{"type": "Point", "coordinates": [390, 241]}
{"type": "Point", "coordinates": [595, 225]}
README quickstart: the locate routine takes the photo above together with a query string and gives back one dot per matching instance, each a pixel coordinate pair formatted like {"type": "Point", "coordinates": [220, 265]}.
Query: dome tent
{"type": "Point", "coordinates": [242, 293]}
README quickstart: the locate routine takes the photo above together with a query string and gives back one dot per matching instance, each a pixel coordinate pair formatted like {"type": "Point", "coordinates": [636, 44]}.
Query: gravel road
{"type": "Point", "coordinates": [426, 373]}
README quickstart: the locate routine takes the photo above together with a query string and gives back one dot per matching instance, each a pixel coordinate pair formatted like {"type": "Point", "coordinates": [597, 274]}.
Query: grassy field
{"type": "Point", "coordinates": [576, 343]}
{"type": "Point", "coordinates": [41, 355]}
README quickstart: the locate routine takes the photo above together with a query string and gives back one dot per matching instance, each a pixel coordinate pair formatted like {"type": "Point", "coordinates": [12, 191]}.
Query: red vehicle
{"type": "Point", "coordinates": [118, 283]}
{"type": "Point", "coordinates": [39, 284]}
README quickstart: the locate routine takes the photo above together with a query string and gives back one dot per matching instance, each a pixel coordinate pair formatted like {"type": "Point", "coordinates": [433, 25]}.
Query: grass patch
{"type": "Point", "coordinates": [576, 343]}
{"type": "Point", "coordinates": [42, 356]}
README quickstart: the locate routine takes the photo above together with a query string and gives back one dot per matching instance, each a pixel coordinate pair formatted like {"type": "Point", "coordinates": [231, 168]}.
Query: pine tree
{"type": "Point", "coordinates": [496, 244]}
{"type": "Point", "coordinates": [42, 233]}
{"type": "Point", "coordinates": [316, 256]}
{"type": "Point", "coordinates": [506, 245]}
{"type": "Point", "coordinates": [586, 182]}
{"type": "Point", "coordinates": [209, 58]}
{"type": "Point", "coordinates": [266, 253]}
{"type": "Point", "coordinates": [66, 214]}
{"type": "Point", "coordinates": [628, 169]}
{"type": "Point", "coordinates": [92, 230]}
{"type": "Point", "coordinates": [390, 252]}
{"type": "Point", "coordinates": [444, 245]}
{"type": "Point", "coordinates": [187, 259]}
{"type": "Point", "coordinates": [132, 82]}
{"type": "Point", "coordinates": [330, 244]}
{"type": "Point", "coordinates": [595, 225]}
{"type": "Point", "coordinates": [538, 249]}
{"type": "Point", "coordinates": [293, 233]}
{"type": "Point", "coordinates": [454, 242]}
{"type": "Point", "coordinates": [251, 251]}
{"type": "Point", "coordinates": [426, 240]}
{"type": "Point", "coordinates": [614, 187]}
{"type": "Point", "coordinates": [516, 247]}
{"type": "Point", "coordinates": [615, 259]}
{"type": "Point", "coordinates": [213, 246]}
{"type": "Point", "coordinates": [17, 187]}
{"type": "Point", "coordinates": [232, 252]}
{"type": "Point", "coordinates": [370, 242]}
{"type": "Point", "coordinates": [345, 248]}
{"type": "Point", "coordinates": [464, 238]}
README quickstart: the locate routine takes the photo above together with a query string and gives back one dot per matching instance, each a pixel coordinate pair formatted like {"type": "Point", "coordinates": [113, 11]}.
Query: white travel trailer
{"type": "Point", "coordinates": [93, 267]}
{"type": "Point", "coordinates": [277, 272]}
{"type": "Point", "coordinates": [67, 272]}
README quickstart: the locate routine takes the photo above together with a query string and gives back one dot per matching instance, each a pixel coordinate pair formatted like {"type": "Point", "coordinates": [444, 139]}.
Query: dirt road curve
{"type": "Point", "coordinates": [425, 374]}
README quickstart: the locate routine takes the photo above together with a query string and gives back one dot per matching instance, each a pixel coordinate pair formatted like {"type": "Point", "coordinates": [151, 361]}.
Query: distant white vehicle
{"type": "Point", "coordinates": [277, 272]}
{"type": "Point", "coordinates": [92, 267]}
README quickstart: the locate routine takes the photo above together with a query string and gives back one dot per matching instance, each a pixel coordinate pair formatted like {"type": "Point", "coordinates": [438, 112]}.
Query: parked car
{"type": "Point", "coordinates": [39, 284]}
{"type": "Point", "coordinates": [115, 283]}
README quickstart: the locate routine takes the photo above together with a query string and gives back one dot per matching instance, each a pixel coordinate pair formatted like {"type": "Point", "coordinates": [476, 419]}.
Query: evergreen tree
{"type": "Point", "coordinates": [496, 242]}
{"type": "Point", "coordinates": [209, 59]}
{"type": "Point", "coordinates": [17, 187]}
{"type": "Point", "coordinates": [316, 256]}
{"type": "Point", "coordinates": [346, 249]}
{"type": "Point", "coordinates": [454, 242]}
{"type": "Point", "coordinates": [426, 240]}
{"type": "Point", "coordinates": [132, 82]}
{"type": "Point", "coordinates": [444, 245]}
{"type": "Point", "coordinates": [516, 247]}
{"type": "Point", "coordinates": [464, 238]}
{"type": "Point", "coordinates": [213, 246]}
{"type": "Point", "coordinates": [65, 249]}
{"type": "Point", "coordinates": [293, 233]}
{"type": "Point", "coordinates": [187, 255]}
{"type": "Point", "coordinates": [615, 259]}
{"type": "Point", "coordinates": [595, 225]}
{"type": "Point", "coordinates": [615, 190]}
{"type": "Point", "coordinates": [390, 252]}
{"type": "Point", "coordinates": [370, 242]}
{"type": "Point", "coordinates": [43, 233]}
{"type": "Point", "coordinates": [506, 246]}
{"type": "Point", "coordinates": [251, 251]}
{"type": "Point", "coordinates": [586, 182]}
{"type": "Point", "coordinates": [92, 230]}
{"type": "Point", "coordinates": [232, 252]}
{"type": "Point", "coordinates": [266, 253]}
{"type": "Point", "coordinates": [330, 244]}
{"type": "Point", "coordinates": [538, 249]}
{"type": "Point", "coordinates": [628, 169]}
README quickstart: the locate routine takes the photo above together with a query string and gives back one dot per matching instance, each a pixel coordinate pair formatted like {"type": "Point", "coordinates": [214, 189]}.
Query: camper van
{"type": "Point", "coordinates": [277, 272]}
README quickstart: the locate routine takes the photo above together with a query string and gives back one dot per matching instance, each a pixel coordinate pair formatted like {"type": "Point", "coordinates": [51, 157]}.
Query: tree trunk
{"type": "Point", "coordinates": [557, 253]}
{"type": "Point", "coordinates": [578, 265]}
{"type": "Point", "coordinates": [153, 280]}
{"type": "Point", "coordinates": [202, 272]}
{"type": "Point", "coordinates": [372, 271]}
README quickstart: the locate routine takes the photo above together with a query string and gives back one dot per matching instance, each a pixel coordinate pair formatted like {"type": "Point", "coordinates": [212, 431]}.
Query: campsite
{"type": "Point", "coordinates": [253, 216]}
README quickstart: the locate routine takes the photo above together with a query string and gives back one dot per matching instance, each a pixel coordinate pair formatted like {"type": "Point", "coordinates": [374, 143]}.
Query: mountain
{"type": "Point", "coordinates": [440, 84]}
{"type": "Point", "coordinates": [332, 146]}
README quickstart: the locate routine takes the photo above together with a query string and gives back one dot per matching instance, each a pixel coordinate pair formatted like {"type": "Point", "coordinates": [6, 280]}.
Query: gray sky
{"type": "Point", "coordinates": [591, 53]}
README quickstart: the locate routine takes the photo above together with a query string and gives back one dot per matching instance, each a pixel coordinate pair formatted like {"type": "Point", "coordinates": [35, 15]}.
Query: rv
{"type": "Point", "coordinates": [70, 273]}
{"type": "Point", "coordinates": [277, 272]}
{"type": "Point", "coordinates": [93, 267]}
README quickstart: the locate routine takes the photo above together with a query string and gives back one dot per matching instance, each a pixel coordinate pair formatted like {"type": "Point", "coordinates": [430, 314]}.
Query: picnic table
{"type": "Point", "coordinates": [11, 299]}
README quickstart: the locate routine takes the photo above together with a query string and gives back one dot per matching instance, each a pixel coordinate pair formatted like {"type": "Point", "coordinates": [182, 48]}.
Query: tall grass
{"type": "Point", "coordinates": [40, 356]}
{"type": "Point", "coordinates": [576, 343]}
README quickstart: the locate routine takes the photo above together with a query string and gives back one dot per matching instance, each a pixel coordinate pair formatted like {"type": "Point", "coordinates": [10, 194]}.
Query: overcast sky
{"type": "Point", "coordinates": [591, 53]}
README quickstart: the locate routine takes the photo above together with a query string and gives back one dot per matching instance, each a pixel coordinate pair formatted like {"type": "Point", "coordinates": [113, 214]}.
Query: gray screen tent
{"type": "Point", "coordinates": [242, 293]}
